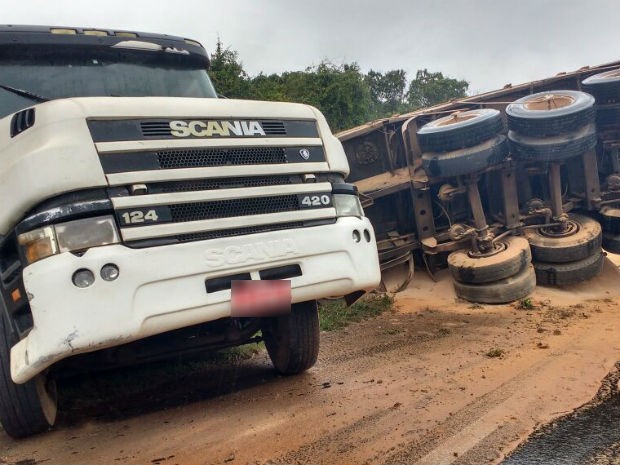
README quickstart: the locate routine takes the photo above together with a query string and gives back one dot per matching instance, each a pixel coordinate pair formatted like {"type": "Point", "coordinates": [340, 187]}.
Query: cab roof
{"type": "Point", "coordinates": [11, 34]}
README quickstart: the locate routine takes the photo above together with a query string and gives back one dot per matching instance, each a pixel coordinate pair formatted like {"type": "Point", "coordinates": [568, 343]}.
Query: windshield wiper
{"type": "Point", "coordinates": [25, 93]}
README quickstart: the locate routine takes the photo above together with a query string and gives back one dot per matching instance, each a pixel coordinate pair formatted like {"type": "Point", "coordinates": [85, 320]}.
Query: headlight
{"type": "Point", "coordinates": [347, 205]}
{"type": "Point", "coordinates": [66, 237]}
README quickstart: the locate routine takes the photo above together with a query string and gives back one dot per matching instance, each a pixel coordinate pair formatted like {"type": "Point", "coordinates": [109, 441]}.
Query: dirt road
{"type": "Point", "coordinates": [435, 381]}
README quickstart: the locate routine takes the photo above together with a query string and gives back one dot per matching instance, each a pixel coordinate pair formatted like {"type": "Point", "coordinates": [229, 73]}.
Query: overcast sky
{"type": "Point", "coordinates": [487, 42]}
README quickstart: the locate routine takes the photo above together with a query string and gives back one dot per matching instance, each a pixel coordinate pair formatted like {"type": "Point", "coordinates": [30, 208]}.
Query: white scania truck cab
{"type": "Point", "coordinates": [135, 203]}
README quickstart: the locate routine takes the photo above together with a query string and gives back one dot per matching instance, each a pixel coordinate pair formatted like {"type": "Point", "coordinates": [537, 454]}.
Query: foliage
{"type": "Point", "coordinates": [334, 314]}
{"type": "Point", "coordinates": [227, 73]}
{"type": "Point", "coordinates": [429, 89]}
{"type": "Point", "coordinates": [346, 96]}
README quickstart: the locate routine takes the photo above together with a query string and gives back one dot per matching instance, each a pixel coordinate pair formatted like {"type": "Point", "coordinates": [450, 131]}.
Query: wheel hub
{"type": "Point", "coordinates": [497, 248]}
{"type": "Point", "coordinates": [549, 102]}
{"type": "Point", "coordinates": [567, 228]}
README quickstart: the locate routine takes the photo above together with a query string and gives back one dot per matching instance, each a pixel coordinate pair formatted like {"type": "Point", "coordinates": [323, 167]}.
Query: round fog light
{"type": "Point", "coordinates": [109, 272]}
{"type": "Point", "coordinates": [356, 235]}
{"type": "Point", "coordinates": [83, 278]}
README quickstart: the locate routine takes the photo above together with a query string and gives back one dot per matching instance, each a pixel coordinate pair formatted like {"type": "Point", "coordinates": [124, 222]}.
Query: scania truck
{"type": "Point", "coordinates": [143, 216]}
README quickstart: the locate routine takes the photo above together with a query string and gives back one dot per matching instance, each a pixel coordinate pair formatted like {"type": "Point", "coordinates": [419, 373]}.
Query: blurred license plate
{"type": "Point", "coordinates": [260, 298]}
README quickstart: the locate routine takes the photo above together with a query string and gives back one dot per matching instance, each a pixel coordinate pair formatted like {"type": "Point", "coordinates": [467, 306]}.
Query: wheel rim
{"type": "Point", "coordinates": [457, 117]}
{"type": "Point", "coordinates": [48, 397]}
{"type": "Point", "coordinates": [549, 102]}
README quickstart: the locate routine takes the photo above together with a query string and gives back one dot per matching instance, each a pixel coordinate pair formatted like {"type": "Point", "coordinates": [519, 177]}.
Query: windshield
{"type": "Point", "coordinates": [62, 72]}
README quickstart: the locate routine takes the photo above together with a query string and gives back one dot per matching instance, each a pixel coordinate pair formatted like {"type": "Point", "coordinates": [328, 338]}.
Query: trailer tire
{"type": "Point", "coordinates": [605, 87]}
{"type": "Point", "coordinates": [561, 274]}
{"type": "Point", "coordinates": [499, 292]}
{"type": "Point", "coordinates": [473, 270]}
{"type": "Point", "coordinates": [548, 149]}
{"type": "Point", "coordinates": [611, 243]}
{"type": "Point", "coordinates": [607, 116]}
{"type": "Point", "coordinates": [550, 113]}
{"type": "Point", "coordinates": [585, 242]}
{"type": "Point", "coordinates": [462, 129]}
{"type": "Point", "coordinates": [465, 161]}
{"type": "Point", "coordinates": [292, 340]}
{"type": "Point", "coordinates": [25, 409]}
{"type": "Point", "coordinates": [609, 217]}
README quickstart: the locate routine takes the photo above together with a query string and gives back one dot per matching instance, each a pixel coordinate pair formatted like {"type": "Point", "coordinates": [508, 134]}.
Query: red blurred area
{"type": "Point", "coordinates": [260, 298]}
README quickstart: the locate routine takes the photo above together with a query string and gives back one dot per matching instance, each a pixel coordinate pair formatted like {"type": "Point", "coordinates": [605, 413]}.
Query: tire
{"type": "Point", "coordinates": [499, 292]}
{"type": "Point", "coordinates": [25, 409]}
{"type": "Point", "coordinates": [531, 115]}
{"type": "Point", "coordinates": [504, 264]}
{"type": "Point", "coordinates": [292, 340]}
{"type": "Point", "coordinates": [585, 242]}
{"type": "Point", "coordinates": [465, 161]}
{"type": "Point", "coordinates": [610, 220]}
{"type": "Point", "coordinates": [605, 87]}
{"type": "Point", "coordinates": [548, 149]}
{"type": "Point", "coordinates": [562, 274]}
{"type": "Point", "coordinates": [459, 130]}
{"type": "Point", "coordinates": [607, 116]}
{"type": "Point", "coordinates": [611, 242]}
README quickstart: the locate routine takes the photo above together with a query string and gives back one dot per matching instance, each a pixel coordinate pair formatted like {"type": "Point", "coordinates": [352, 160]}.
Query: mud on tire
{"type": "Point", "coordinates": [585, 242]}
{"type": "Point", "coordinates": [499, 292]}
{"type": "Point", "coordinates": [504, 264]}
{"type": "Point", "coordinates": [561, 274]}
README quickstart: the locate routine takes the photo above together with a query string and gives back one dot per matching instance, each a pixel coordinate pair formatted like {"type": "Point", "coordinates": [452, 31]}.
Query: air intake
{"type": "Point", "coordinates": [21, 121]}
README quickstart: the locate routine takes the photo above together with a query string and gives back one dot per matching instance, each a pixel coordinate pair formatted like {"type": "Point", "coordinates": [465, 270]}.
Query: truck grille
{"type": "Point", "coordinates": [236, 207]}
{"type": "Point", "coordinates": [196, 158]}
{"type": "Point", "coordinates": [172, 189]}
{"type": "Point", "coordinates": [220, 183]}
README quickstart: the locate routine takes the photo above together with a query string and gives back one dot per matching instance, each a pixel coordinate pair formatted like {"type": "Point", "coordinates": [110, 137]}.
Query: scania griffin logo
{"type": "Point", "coordinates": [216, 128]}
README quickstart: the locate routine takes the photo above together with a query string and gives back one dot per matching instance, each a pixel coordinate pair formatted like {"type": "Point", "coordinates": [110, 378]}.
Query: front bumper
{"type": "Point", "coordinates": [163, 288]}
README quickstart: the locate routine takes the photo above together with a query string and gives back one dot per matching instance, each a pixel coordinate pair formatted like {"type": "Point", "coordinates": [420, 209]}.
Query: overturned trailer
{"type": "Point", "coordinates": [507, 188]}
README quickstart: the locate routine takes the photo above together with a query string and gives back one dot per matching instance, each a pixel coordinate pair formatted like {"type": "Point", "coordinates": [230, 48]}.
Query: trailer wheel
{"type": "Point", "coordinates": [468, 160]}
{"type": "Point", "coordinates": [611, 242]}
{"type": "Point", "coordinates": [585, 241]}
{"type": "Point", "coordinates": [476, 270]}
{"type": "Point", "coordinates": [561, 274]}
{"type": "Point", "coordinates": [605, 87]}
{"type": "Point", "coordinates": [25, 409]}
{"type": "Point", "coordinates": [499, 292]}
{"type": "Point", "coordinates": [556, 148]}
{"type": "Point", "coordinates": [550, 113]}
{"type": "Point", "coordinates": [460, 129]}
{"type": "Point", "coordinates": [292, 340]}
{"type": "Point", "coordinates": [609, 218]}
{"type": "Point", "coordinates": [607, 116]}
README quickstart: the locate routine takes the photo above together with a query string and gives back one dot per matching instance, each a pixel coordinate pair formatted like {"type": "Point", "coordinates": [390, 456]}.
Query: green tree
{"type": "Point", "coordinates": [227, 73]}
{"type": "Point", "coordinates": [387, 91]}
{"type": "Point", "coordinates": [339, 91]}
{"type": "Point", "coordinates": [429, 89]}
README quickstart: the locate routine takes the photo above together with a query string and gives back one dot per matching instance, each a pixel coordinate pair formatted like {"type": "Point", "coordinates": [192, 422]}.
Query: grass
{"type": "Point", "coordinates": [495, 353]}
{"type": "Point", "coordinates": [334, 314]}
{"type": "Point", "coordinates": [526, 304]}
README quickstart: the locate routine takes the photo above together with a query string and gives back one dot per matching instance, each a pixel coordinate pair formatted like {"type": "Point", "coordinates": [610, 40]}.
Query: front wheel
{"type": "Point", "coordinates": [25, 409]}
{"type": "Point", "coordinates": [292, 340]}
